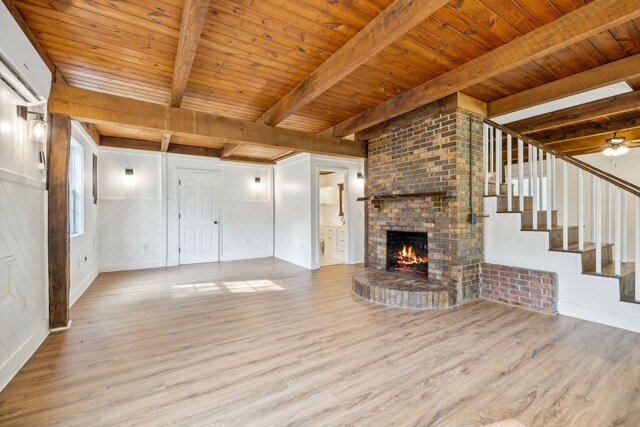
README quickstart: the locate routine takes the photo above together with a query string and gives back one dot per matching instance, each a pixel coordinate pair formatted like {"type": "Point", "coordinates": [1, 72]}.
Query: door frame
{"type": "Point", "coordinates": [181, 172]}
{"type": "Point", "coordinates": [316, 211]}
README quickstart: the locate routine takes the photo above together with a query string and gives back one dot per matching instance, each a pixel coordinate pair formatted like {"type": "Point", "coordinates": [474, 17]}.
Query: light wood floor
{"type": "Point", "coordinates": [267, 343]}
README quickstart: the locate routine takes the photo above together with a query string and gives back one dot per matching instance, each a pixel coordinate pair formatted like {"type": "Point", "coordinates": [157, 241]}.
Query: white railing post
{"type": "Point", "coordinates": [550, 184]}
{"type": "Point", "coordinates": [636, 225]}
{"type": "Point", "coordinates": [498, 160]}
{"type": "Point", "coordinates": [593, 208]}
{"type": "Point", "coordinates": [598, 218]}
{"type": "Point", "coordinates": [491, 134]}
{"type": "Point", "coordinates": [509, 189]}
{"type": "Point", "coordinates": [617, 242]}
{"type": "Point", "coordinates": [623, 227]}
{"type": "Point", "coordinates": [565, 206]}
{"type": "Point", "coordinates": [485, 157]}
{"type": "Point", "coordinates": [520, 175]}
{"type": "Point", "coordinates": [580, 209]}
{"type": "Point", "coordinates": [540, 178]}
{"type": "Point", "coordinates": [534, 178]}
{"type": "Point", "coordinates": [607, 212]}
{"type": "Point", "coordinates": [530, 171]}
{"type": "Point", "coordinates": [553, 179]}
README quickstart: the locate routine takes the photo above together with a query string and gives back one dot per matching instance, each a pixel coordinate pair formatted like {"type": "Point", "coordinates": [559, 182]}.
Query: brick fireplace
{"type": "Point", "coordinates": [423, 151]}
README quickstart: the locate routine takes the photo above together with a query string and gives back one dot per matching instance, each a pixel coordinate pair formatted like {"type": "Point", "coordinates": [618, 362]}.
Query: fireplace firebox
{"type": "Point", "coordinates": [407, 252]}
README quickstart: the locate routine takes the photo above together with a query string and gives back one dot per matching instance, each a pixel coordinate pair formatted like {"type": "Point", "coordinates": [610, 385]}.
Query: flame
{"type": "Point", "coordinates": [408, 256]}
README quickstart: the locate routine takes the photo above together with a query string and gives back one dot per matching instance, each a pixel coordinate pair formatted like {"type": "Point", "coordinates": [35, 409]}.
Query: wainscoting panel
{"type": "Point", "coordinates": [23, 319]}
{"type": "Point", "coordinates": [129, 234]}
{"type": "Point", "coordinates": [246, 229]}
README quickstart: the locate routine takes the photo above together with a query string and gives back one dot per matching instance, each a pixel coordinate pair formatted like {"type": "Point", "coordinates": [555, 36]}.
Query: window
{"type": "Point", "coordinates": [76, 188]}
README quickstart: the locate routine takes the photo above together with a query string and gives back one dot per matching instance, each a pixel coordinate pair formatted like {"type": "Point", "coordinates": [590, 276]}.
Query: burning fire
{"type": "Point", "coordinates": [407, 256]}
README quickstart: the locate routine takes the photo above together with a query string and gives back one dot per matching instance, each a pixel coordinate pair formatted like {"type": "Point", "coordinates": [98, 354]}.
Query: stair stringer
{"type": "Point", "coordinates": [587, 297]}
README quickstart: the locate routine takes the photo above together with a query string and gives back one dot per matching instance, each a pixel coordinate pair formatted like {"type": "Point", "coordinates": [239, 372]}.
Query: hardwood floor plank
{"type": "Point", "coordinates": [263, 342]}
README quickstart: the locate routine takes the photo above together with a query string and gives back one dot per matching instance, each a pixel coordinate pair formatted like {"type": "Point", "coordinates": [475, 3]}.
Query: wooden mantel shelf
{"type": "Point", "coordinates": [433, 194]}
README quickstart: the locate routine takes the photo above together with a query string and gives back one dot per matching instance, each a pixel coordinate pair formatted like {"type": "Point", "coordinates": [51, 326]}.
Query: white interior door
{"type": "Point", "coordinates": [199, 222]}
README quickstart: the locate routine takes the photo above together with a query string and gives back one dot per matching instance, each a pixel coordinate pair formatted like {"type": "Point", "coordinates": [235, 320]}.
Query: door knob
{"type": "Point", "coordinates": [215, 222]}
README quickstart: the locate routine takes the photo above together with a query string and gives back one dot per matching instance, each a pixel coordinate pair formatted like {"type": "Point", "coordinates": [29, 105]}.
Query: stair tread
{"type": "Point", "coordinates": [629, 297]}
{"type": "Point", "coordinates": [574, 247]}
{"type": "Point", "coordinates": [544, 228]}
{"type": "Point", "coordinates": [608, 270]}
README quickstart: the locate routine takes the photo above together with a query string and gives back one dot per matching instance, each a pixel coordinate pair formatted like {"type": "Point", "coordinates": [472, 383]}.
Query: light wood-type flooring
{"type": "Point", "coordinates": [263, 342]}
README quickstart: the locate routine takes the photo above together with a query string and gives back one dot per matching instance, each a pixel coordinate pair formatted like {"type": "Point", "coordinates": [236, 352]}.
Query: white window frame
{"type": "Point", "coordinates": [76, 188]}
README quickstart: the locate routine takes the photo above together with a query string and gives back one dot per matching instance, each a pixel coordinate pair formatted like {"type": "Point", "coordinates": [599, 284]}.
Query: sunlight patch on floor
{"type": "Point", "coordinates": [240, 286]}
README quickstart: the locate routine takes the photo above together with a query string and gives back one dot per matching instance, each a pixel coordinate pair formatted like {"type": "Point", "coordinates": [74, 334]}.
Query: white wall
{"type": "Point", "coordinates": [138, 218]}
{"type": "Point", "coordinates": [130, 214]}
{"type": "Point", "coordinates": [84, 247]}
{"type": "Point", "coordinates": [23, 261]}
{"type": "Point", "coordinates": [297, 186]}
{"type": "Point", "coordinates": [246, 223]}
{"type": "Point", "coordinates": [293, 222]}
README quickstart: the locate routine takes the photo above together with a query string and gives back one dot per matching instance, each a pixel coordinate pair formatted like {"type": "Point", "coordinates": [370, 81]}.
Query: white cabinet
{"type": "Point", "coordinates": [334, 241]}
{"type": "Point", "coordinates": [329, 195]}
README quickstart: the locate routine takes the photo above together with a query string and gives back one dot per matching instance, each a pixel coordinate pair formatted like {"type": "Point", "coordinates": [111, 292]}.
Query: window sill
{"type": "Point", "coordinates": [74, 236]}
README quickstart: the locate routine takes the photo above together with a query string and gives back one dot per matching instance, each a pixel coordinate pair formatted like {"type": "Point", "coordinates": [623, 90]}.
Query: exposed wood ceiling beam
{"type": "Point", "coordinates": [613, 72]}
{"type": "Point", "coordinates": [588, 129]}
{"type": "Point", "coordinates": [583, 145]}
{"type": "Point", "coordinates": [140, 144]}
{"type": "Point", "coordinates": [568, 116]}
{"type": "Point", "coordinates": [245, 159]}
{"type": "Point", "coordinates": [193, 16]}
{"type": "Point", "coordinates": [100, 108]}
{"type": "Point", "coordinates": [396, 20]}
{"type": "Point", "coordinates": [164, 143]}
{"type": "Point", "coordinates": [229, 149]}
{"type": "Point", "coordinates": [580, 24]}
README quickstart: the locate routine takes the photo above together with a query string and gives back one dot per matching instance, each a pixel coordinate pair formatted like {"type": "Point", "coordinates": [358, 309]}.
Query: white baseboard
{"type": "Point", "coordinates": [124, 267]}
{"type": "Point", "coordinates": [82, 287]}
{"type": "Point", "coordinates": [16, 361]}
{"type": "Point", "coordinates": [610, 318]}
{"type": "Point", "coordinates": [245, 256]}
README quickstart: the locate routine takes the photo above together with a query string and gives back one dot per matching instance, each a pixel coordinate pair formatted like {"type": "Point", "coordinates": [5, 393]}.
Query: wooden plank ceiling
{"type": "Point", "coordinates": [251, 54]}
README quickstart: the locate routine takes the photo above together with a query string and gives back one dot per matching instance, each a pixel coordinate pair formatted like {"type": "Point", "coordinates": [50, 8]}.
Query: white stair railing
{"type": "Point", "coordinates": [538, 190]}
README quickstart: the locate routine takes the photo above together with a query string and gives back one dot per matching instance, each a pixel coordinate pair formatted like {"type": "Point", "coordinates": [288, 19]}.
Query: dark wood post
{"type": "Point", "coordinates": [58, 173]}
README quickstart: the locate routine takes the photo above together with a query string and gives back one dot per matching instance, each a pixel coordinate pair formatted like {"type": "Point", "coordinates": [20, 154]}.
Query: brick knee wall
{"type": "Point", "coordinates": [533, 289]}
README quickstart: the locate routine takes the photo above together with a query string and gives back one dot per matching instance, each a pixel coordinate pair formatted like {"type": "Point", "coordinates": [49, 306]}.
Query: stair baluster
{"type": "Point", "coordinates": [565, 206]}
{"type": "Point", "coordinates": [598, 225]}
{"type": "Point", "coordinates": [580, 209]}
{"type": "Point", "coordinates": [541, 180]}
{"type": "Point", "coordinates": [550, 185]}
{"type": "Point", "coordinates": [498, 160]}
{"type": "Point", "coordinates": [607, 212]}
{"type": "Point", "coordinates": [618, 235]}
{"type": "Point", "coordinates": [520, 174]}
{"type": "Point", "coordinates": [623, 226]}
{"type": "Point", "coordinates": [509, 186]}
{"type": "Point", "coordinates": [534, 178]}
{"type": "Point", "coordinates": [593, 208]}
{"type": "Point", "coordinates": [485, 157]}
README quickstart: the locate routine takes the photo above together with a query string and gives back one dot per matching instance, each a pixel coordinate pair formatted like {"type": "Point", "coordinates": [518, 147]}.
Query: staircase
{"type": "Point", "coordinates": [596, 277]}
